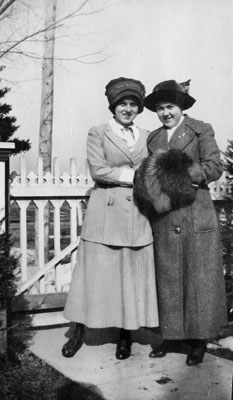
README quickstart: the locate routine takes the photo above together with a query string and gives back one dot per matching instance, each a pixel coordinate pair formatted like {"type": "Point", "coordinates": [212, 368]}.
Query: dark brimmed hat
{"type": "Point", "coordinates": [169, 91]}
{"type": "Point", "coordinates": [118, 88]}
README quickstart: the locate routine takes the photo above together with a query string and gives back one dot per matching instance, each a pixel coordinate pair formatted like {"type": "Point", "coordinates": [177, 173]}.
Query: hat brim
{"type": "Point", "coordinates": [183, 100]}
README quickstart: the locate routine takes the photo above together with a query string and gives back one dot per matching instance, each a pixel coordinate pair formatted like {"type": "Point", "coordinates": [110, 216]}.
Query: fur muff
{"type": "Point", "coordinates": [163, 182]}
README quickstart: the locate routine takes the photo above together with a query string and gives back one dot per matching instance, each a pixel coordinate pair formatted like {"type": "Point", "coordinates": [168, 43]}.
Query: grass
{"type": "Point", "coordinates": [222, 352]}
{"type": "Point", "coordinates": [33, 379]}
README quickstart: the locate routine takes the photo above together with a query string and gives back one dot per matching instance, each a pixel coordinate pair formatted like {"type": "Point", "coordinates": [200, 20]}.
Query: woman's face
{"type": "Point", "coordinates": [169, 114]}
{"type": "Point", "coordinates": [126, 111]}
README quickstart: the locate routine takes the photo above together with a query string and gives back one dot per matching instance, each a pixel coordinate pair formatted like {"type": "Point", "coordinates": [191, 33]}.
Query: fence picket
{"type": "Point", "coordinates": [23, 238]}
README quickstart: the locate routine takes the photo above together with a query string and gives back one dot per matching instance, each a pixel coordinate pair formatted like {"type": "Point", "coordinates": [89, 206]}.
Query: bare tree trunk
{"type": "Point", "coordinates": [46, 116]}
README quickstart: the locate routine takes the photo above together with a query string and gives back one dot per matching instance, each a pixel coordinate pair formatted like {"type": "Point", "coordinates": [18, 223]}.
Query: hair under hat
{"type": "Point", "coordinates": [121, 87]}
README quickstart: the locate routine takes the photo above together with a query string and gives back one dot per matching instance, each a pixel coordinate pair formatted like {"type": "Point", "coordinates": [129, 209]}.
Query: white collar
{"type": "Point", "coordinates": [130, 139]}
{"type": "Point", "coordinates": [174, 127]}
{"type": "Point", "coordinates": [172, 130]}
{"type": "Point", "coordinates": [118, 128]}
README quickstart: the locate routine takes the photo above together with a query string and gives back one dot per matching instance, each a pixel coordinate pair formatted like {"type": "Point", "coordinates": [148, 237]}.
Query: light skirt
{"type": "Point", "coordinates": [113, 287]}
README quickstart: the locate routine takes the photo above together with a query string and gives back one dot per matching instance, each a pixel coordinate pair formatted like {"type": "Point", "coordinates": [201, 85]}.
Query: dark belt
{"type": "Point", "coordinates": [111, 185]}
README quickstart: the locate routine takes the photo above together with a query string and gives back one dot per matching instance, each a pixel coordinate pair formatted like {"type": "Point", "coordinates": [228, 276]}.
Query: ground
{"type": "Point", "coordinates": [33, 379]}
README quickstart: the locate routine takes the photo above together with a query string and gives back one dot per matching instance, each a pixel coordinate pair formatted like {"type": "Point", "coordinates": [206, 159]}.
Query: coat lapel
{"type": "Point", "coordinates": [140, 145]}
{"type": "Point", "coordinates": [117, 141]}
{"type": "Point", "coordinates": [158, 140]}
{"type": "Point", "coordinates": [182, 136]}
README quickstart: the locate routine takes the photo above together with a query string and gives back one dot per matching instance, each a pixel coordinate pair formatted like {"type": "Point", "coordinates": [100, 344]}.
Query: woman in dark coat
{"type": "Point", "coordinates": [183, 159]}
{"type": "Point", "coordinates": [113, 283]}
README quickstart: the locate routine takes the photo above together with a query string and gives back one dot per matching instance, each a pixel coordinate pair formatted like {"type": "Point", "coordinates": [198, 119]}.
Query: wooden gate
{"type": "Point", "coordinates": [43, 285]}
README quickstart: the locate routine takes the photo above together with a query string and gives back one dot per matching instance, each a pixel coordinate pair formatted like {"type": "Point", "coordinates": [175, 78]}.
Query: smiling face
{"type": "Point", "coordinates": [169, 114]}
{"type": "Point", "coordinates": [126, 111]}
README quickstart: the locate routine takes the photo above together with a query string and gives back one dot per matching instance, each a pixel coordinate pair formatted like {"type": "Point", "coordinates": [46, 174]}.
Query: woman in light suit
{"type": "Point", "coordinates": [113, 283]}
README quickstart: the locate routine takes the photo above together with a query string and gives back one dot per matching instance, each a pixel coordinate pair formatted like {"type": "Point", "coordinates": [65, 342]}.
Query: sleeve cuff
{"type": "Point", "coordinates": [197, 173]}
{"type": "Point", "coordinates": [127, 175]}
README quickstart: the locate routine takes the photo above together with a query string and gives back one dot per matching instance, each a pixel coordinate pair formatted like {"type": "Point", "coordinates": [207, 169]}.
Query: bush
{"type": "Point", "coordinates": [227, 229]}
{"type": "Point", "coordinates": [8, 263]}
{"type": "Point", "coordinates": [8, 277]}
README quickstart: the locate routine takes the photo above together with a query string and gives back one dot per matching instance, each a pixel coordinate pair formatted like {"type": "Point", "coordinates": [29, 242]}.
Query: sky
{"type": "Point", "coordinates": [149, 40]}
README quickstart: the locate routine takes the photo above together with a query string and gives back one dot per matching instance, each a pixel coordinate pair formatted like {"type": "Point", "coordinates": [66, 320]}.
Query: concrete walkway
{"type": "Point", "coordinates": [139, 377]}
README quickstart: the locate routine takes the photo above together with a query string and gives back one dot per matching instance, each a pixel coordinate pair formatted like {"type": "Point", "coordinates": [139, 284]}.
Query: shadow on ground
{"type": "Point", "coordinates": [98, 337]}
{"type": "Point", "coordinates": [74, 391]}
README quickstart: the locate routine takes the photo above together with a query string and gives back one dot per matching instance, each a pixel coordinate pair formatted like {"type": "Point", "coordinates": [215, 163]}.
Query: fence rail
{"type": "Point", "coordinates": [40, 201]}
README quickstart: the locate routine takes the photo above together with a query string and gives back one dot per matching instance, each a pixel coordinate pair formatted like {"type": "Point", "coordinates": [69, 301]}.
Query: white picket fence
{"type": "Point", "coordinates": [56, 190]}
{"type": "Point", "coordinates": [53, 190]}
{"type": "Point", "coordinates": [220, 189]}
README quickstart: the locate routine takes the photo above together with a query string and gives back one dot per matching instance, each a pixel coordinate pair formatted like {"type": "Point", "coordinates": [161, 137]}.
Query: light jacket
{"type": "Point", "coordinates": [112, 217]}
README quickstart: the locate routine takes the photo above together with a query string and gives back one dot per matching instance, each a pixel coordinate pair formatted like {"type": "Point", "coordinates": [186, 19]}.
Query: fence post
{"type": "Point", "coordinates": [5, 151]}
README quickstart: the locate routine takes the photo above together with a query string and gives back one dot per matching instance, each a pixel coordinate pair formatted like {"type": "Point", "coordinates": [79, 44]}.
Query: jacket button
{"type": "Point", "coordinates": [177, 230]}
{"type": "Point", "coordinates": [128, 198]}
{"type": "Point", "coordinates": [131, 165]}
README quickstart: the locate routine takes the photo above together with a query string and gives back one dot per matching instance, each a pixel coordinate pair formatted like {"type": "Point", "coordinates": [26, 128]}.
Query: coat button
{"type": "Point", "coordinates": [177, 230]}
{"type": "Point", "coordinates": [131, 165]}
{"type": "Point", "coordinates": [128, 198]}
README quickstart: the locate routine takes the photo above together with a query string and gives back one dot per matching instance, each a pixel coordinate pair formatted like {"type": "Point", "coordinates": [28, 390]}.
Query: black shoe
{"type": "Point", "coordinates": [71, 347]}
{"type": "Point", "coordinates": [159, 351]}
{"type": "Point", "coordinates": [123, 349]}
{"type": "Point", "coordinates": [196, 354]}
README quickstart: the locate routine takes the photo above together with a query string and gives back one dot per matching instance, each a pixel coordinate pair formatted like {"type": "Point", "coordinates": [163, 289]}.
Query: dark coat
{"type": "Point", "coordinates": [189, 270]}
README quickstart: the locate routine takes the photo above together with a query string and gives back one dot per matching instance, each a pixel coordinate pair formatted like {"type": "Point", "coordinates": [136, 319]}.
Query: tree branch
{"type": "Point", "coordinates": [4, 8]}
{"type": "Point", "coordinates": [3, 53]}
{"type": "Point", "coordinates": [57, 24]}
{"type": "Point", "coordinates": [77, 59]}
